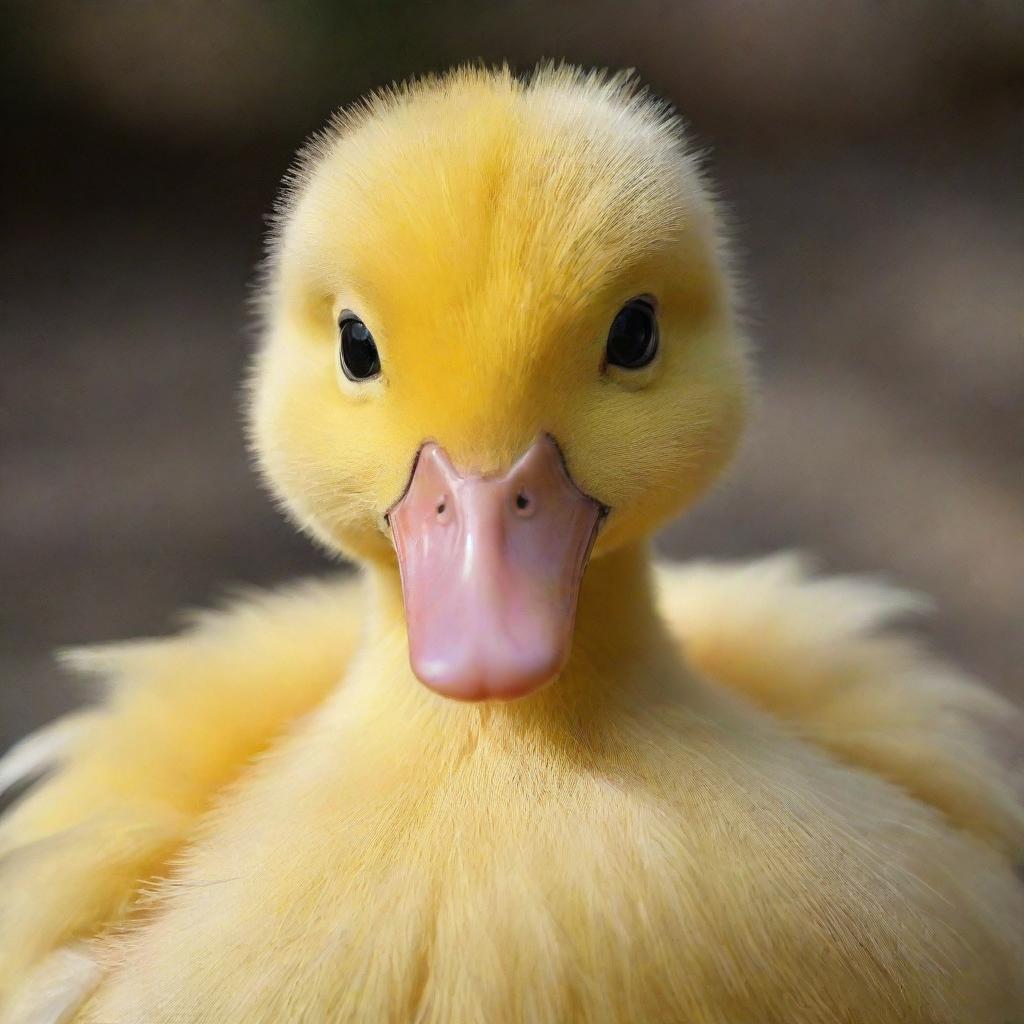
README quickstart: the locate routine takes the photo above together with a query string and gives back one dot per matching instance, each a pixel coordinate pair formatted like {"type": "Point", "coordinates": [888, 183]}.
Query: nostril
{"type": "Point", "coordinates": [440, 508]}
{"type": "Point", "coordinates": [524, 505]}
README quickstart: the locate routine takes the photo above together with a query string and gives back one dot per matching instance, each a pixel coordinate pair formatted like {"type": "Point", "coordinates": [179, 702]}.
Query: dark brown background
{"type": "Point", "coordinates": [870, 153]}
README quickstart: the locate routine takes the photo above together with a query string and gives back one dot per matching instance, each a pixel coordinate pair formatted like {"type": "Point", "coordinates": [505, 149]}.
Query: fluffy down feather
{"type": "Point", "coordinates": [815, 652]}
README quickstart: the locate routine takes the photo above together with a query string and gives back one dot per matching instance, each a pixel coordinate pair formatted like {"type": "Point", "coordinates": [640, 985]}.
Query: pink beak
{"type": "Point", "coordinates": [491, 569]}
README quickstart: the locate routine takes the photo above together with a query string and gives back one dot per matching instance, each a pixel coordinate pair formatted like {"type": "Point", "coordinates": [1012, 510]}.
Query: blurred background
{"type": "Point", "coordinates": [872, 155]}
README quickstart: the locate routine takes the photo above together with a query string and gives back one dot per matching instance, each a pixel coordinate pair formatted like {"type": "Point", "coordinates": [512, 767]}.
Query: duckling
{"type": "Point", "coordinates": [511, 771]}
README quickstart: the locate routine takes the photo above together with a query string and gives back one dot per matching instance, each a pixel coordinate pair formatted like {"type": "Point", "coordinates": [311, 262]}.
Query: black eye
{"type": "Point", "coordinates": [359, 357]}
{"type": "Point", "coordinates": [633, 337]}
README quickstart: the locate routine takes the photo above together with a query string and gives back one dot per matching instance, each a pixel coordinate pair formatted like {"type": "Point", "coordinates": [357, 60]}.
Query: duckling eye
{"type": "Point", "coordinates": [359, 357]}
{"type": "Point", "coordinates": [633, 337]}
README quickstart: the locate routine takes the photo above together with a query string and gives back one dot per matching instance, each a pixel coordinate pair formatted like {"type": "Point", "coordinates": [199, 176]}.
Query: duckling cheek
{"type": "Point", "coordinates": [491, 568]}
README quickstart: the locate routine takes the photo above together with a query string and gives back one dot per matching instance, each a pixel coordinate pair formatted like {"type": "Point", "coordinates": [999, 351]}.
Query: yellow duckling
{"type": "Point", "coordinates": [500, 350]}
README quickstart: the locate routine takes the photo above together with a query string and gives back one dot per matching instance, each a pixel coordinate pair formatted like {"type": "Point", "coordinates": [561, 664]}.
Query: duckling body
{"type": "Point", "coordinates": [736, 801]}
{"type": "Point", "coordinates": [667, 853]}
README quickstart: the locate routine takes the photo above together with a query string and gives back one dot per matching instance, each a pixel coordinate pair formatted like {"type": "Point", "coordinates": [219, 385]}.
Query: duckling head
{"type": "Point", "coordinates": [499, 342]}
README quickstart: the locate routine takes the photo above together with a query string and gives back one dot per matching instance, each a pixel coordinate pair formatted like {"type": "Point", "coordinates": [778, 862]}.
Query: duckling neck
{"type": "Point", "coordinates": [616, 618]}
{"type": "Point", "coordinates": [619, 642]}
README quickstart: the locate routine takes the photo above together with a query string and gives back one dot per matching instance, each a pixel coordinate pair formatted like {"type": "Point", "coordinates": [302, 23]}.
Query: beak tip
{"type": "Point", "coordinates": [476, 679]}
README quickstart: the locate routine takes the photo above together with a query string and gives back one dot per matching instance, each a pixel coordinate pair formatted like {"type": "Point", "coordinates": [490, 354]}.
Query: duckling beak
{"type": "Point", "coordinates": [491, 570]}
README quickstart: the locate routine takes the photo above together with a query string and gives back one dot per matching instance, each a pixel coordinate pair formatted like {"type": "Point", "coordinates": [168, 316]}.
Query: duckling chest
{"type": "Point", "coordinates": [482, 884]}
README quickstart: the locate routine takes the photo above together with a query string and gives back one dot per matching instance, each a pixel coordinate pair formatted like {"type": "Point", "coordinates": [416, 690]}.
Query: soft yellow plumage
{"type": "Point", "coordinates": [270, 819]}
